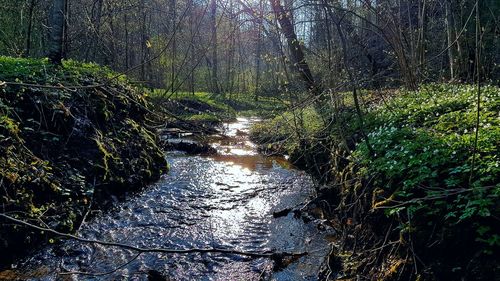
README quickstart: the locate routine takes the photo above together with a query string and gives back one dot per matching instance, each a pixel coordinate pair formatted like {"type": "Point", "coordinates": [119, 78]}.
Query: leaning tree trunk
{"type": "Point", "coordinates": [57, 24]}
{"type": "Point", "coordinates": [299, 61]}
{"type": "Point", "coordinates": [297, 55]}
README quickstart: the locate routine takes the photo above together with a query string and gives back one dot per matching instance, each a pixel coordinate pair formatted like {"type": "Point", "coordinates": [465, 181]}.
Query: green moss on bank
{"type": "Point", "coordinates": [417, 188]}
{"type": "Point", "coordinates": [67, 144]}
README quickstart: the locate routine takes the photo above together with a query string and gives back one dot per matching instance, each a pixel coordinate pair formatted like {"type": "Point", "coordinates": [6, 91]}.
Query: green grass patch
{"type": "Point", "coordinates": [288, 129]}
{"type": "Point", "coordinates": [42, 72]}
{"type": "Point", "coordinates": [205, 106]}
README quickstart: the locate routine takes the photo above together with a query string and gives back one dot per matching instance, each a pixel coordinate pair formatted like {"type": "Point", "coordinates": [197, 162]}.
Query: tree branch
{"type": "Point", "coordinates": [267, 254]}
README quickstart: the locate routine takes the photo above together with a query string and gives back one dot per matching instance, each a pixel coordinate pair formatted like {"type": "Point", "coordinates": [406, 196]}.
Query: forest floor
{"type": "Point", "coordinates": [413, 194]}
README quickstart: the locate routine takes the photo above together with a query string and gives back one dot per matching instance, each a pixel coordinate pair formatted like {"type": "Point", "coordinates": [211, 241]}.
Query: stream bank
{"type": "Point", "coordinates": [228, 200]}
{"type": "Point", "coordinates": [413, 195]}
{"type": "Point", "coordinates": [70, 139]}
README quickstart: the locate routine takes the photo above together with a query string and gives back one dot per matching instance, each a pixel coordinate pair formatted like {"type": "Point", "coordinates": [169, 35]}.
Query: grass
{"type": "Point", "coordinates": [42, 72]}
{"type": "Point", "coordinates": [210, 107]}
{"type": "Point", "coordinates": [289, 128]}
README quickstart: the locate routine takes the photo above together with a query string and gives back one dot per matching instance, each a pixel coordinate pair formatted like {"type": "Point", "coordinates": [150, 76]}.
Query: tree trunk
{"type": "Point", "coordinates": [173, 16]}
{"type": "Point", "coordinates": [143, 41]}
{"type": "Point", "coordinates": [96, 15]}
{"type": "Point", "coordinates": [30, 27]}
{"type": "Point", "coordinates": [213, 27]}
{"type": "Point", "coordinates": [450, 38]}
{"type": "Point", "coordinates": [258, 51]}
{"type": "Point", "coordinates": [192, 33]}
{"type": "Point", "coordinates": [230, 52]}
{"type": "Point", "coordinates": [127, 51]}
{"type": "Point", "coordinates": [422, 21]}
{"type": "Point", "coordinates": [297, 55]}
{"type": "Point", "coordinates": [56, 22]}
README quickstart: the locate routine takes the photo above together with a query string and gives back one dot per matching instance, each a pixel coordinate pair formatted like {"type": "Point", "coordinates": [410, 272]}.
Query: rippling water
{"type": "Point", "coordinates": [223, 201]}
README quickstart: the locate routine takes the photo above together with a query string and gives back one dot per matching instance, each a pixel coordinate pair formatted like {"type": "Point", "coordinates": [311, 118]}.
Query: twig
{"type": "Point", "coordinates": [267, 254]}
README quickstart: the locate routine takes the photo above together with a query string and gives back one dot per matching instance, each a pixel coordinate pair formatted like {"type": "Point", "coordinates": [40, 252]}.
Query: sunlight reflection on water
{"type": "Point", "coordinates": [223, 201]}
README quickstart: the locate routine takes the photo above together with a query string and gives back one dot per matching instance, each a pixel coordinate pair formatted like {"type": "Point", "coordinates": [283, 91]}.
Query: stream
{"type": "Point", "coordinates": [222, 201]}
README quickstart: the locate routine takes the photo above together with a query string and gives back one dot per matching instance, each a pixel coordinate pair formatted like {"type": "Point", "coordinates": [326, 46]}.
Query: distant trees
{"type": "Point", "coordinates": [246, 47]}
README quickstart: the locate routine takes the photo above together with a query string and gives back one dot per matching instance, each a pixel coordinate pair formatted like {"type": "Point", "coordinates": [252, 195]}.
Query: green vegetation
{"type": "Point", "coordinates": [409, 176]}
{"type": "Point", "coordinates": [40, 70]}
{"type": "Point", "coordinates": [211, 108]}
{"type": "Point", "coordinates": [283, 134]}
{"type": "Point", "coordinates": [420, 170]}
{"type": "Point", "coordinates": [69, 137]}
{"type": "Point", "coordinates": [424, 146]}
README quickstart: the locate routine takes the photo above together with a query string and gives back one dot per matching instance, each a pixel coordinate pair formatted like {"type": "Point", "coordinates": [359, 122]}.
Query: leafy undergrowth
{"type": "Point", "coordinates": [67, 145]}
{"type": "Point", "coordinates": [419, 202]}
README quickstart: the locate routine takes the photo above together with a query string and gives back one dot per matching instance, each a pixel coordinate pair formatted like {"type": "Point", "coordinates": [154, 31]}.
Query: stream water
{"type": "Point", "coordinates": [222, 201]}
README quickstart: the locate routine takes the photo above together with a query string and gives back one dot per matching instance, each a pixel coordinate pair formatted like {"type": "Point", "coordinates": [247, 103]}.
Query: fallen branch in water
{"type": "Point", "coordinates": [276, 256]}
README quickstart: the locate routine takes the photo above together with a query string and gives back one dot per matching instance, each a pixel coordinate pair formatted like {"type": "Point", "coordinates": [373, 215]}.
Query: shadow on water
{"type": "Point", "coordinates": [225, 200]}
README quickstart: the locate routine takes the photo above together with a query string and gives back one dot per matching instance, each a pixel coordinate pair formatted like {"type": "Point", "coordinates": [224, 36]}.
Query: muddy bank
{"type": "Point", "coordinates": [67, 145]}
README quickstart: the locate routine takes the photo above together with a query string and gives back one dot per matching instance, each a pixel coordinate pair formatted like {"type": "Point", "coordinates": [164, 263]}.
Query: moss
{"type": "Point", "coordinates": [103, 144]}
{"type": "Point", "coordinates": [60, 148]}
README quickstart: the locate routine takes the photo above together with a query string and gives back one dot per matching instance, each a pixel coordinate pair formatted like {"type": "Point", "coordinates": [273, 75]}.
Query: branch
{"type": "Point", "coordinates": [266, 254]}
{"type": "Point", "coordinates": [59, 87]}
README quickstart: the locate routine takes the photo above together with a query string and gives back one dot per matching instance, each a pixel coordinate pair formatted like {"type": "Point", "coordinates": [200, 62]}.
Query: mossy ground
{"type": "Point", "coordinates": [67, 144]}
{"type": "Point", "coordinates": [412, 197]}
